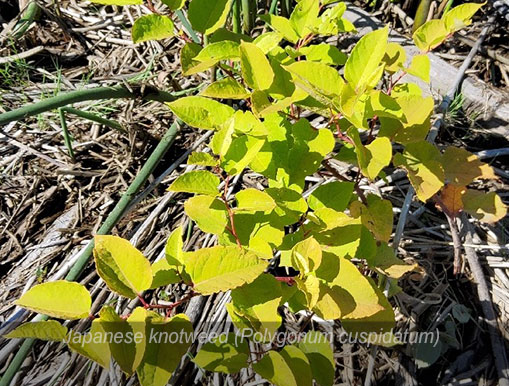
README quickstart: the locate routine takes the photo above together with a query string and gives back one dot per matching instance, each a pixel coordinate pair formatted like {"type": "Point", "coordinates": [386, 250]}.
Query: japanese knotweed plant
{"type": "Point", "coordinates": [274, 82]}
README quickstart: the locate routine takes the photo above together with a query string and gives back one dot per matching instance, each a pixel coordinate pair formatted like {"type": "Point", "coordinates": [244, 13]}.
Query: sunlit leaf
{"type": "Point", "coordinates": [256, 69]}
{"type": "Point", "coordinates": [206, 16]}
{"type": "Point", "coordinates": [318, 350]}
{"type": "Point", "coordinates": [152, 27]}
{"type": "Point", "coordinates": [201, 112]}
{"type": "Point", "coordinates": [460, 16]}
{"type": "Point", "coordinates": [227, 88]}
{"type": "Point", "coordinates": [486, 207]}
{"type": "Point", "coordinates": [197, 181]}
{"type": "Point", "coordinates": [227, 353]}
{"type": "Point", "coordinates": [44, 330]}
{"type": "Point", "coordinates": [60, 299]}
{"type": "Point", "coordinates": [462, 167]}
{"type": "Point", "coordinates": [208, 212]}
{"type": "Point", "coordinates": [254, 200]}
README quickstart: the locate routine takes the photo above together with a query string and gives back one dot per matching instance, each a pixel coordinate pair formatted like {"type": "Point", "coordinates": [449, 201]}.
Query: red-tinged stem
{"type": "Point", "coordinates": [151, 7]}
{"type": "Point", "coordinates": [288, 280]}
{"type": "Point", "coordinates": [143, 302]}
{"type": "Point", "coordinates": [394, 83]}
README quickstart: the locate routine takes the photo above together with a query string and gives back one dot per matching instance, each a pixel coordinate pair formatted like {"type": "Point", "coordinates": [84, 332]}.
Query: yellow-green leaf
{"type": "Point", "coordinates": [386, 262]}
{"type": "Point", "coordinates": [128, 351]}
{"type": "Point", "coordinates": [174, 4]}
{"type": "Point", "coordinates": [422, 162]}
{"type": "Point", "coordinates": [221, 268]}
{"type": "Point", "coordinates": [420, 67]}
{"type": "Point", "coordinates": [374, 157]}
{"type": "Point", "coordinates": [241, 152]}
{"type": "Point", "coordinates": [227, 88]}
{"type": "Point", "coordinates": [44, 330]}
{"type": "Point", "coordinates": [460, 16]}
{"type": "Point", "coordinates": [202, 159]}
{"type": "Point", "coordinates": [123, 267]}
{"type": "Point", "coordinates": [282, 25]}
{"type": "Point", "coordinates": [91, 345]}
{"type": "Point", "coordinates": [324, 53]}
{"type": "Point", "coordinates": [152, 27]}
{"type": "Point", "coordinates": [306, 255]}
{"type": "Point", "coordinates": [256, 69]}
{"type": "Point", "coordinates": [303, 16]}
{"type": "Point", "coordinates": [162, 357]}
{"type": "Point", "coordinates": [253, 200]}
{"type": "Point", "coordinates": [275, 369]}
{"type": "Point", "coordinates": [198, 181]}
{"type": "Point", "coordinates": [394, 58]}
{"type": "Point", "coordinates": [298, 363]}
{"type": "Point", "coordinates": [208, 212]}
{"type": "Point", "coordinates": [363, 63]}
{"type": "Point", "coordinates": [486, 207]}
{"type": "Point", "coordinates": [59, 299]}
{"type": "Point", "coordinates": [377, 216]}
{"type": "Point", "coordinates": [206, 16]}
{"type": "Point", "coordinates": [430, 35]}
{"type": "Point", "coordinates": [201, 112]}
{"type": "Point", "coordinates": [268, 41]}
{"type": "Point", "coordinates": [335, 195]}
{"type": "Point", "coordinates": [318, 350]}
{"type": "Point", "coordinates": [174, 248]}
{"type": "Point", "coordinates": [227, 353]}
{"type": "Point", "coordinates": [462, 167]}
{"type": "Point", "coordinates": [163, 274]}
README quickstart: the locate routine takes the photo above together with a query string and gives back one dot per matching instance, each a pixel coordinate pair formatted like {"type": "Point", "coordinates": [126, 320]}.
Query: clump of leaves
{"type": "Point", "coordinates": [279, 74]}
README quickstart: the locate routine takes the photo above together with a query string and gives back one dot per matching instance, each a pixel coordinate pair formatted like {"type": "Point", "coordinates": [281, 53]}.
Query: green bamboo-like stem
{"type": "Point", "coordinates": [236, 20]}
{"type": "Point", "coordinates": [65, 133]}
{"type": "Point", "coordinates": [84, 95]}
{"type": "Point", "coordinates": [421, 14]}
{"type": "Point", "coordinates": [248, 15]}
{"type": "Point", "coordinates": [273, 7]}
{"type": "Point", "coordinates": [31, 13]}
{"type": "Point", "coordinates": [116, 214]}
{"type": "Point", "coordinates": [286, 8]}
{"type": "Point", "coordinates": [95, 118]}
{"type": "Point", "coordinates": [187, 26]}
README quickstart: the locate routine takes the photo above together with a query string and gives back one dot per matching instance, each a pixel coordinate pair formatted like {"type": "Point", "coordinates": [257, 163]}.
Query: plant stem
{"type": "Point", "coordinates": [116, 214]}
{"type": "Point", "coordinates": [31, 13]}
{"type": "Point", "coordinates": [65, 133]}
{"type": "Point", "coordinates": [187, 25]}
{"type": "Point", "coordinates": [248, 15]}
{"type": "Point", "coordinates": [236, 22]}
{"type": "Point", "coordinates": [273, 7]}
{"type": "Point", "coordinates": [150, 93]}
{"type": "Point", "coordinates": [95, 118]}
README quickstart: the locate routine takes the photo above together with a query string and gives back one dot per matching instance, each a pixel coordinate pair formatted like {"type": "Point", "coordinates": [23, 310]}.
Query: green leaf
{"type": "Point", "coordinates": [427, 353]}
{"type": "Point", "coordinates": [244, 122]}
{"type": "Point", "coordinates": [422, 162]}
{"type": "Point", "coordinates": [290, 204]}
{"type": "Point", "coordinates": [256, 68]}
{"type": "Point", "coordinates": [394, 58]}
{"type": "Point", "coordinates": [374, 157]}
{"type": "Point", "coordinates": [486, 207]}
{"type": "Point", "coordinates": [215, 52]}
{"type": "Point", "coordinates": [128, 351]}
{"type": "Point", "coordinates": [253, 200]}
{"type": "Point", "coordinates": [363, 63]}
{"type": "Point", "coordinates": [320, 81]}
{"type": "Point", "coordinates": [420, 67]}
{"type": "Point", "coordinates": [152, 27]}
{"type": "Point", "coordinates": [377, 216]}
{"type": "Point", "coordinates": [227, 88]}
{"type": "Point", "coordinates": [304, 16]}
{"type": "Point", "coordinates": [221, 268]}
{"type": "Point", "coordinates": [163, 274]}
{"type": "Point", "coordinates": [208, 212]}
{"type": "Point", "coordinates": [275, 369]}
{"type": "Point", "coordinates": [92, 345]}
{"type": "Point", "coordinates": [241, 152]}
{"type": "Point", "coordinates": [161, 359]}
{"type": "Point", "coordinates": [257, 303]}
{"type": "Point", "coordinates": [268, 41]}
{"type": "Point", "coordinates": [174, 248]}
{"type": "Point", "coordinates": [59, 299]}
{"type": "Point", "coordinates": [123, 267]}
{"type": "Point", "coordinates": [44, 330]}
{"type": "Point", "coordinates": [187, 54]}
{"type": "Point", "coordinates": [299, 364]}
{"type": "Point", "coordinates": [226, 353]}
{"type": "Point", "coordinates": [174, 5]}
{"type": "Point", "coordinates": [118, 2]}
{"type": "Point", "coordinates": [324, 53]}
{"type": "Point", "coordinates": [282, 25]}
{"type": "Point", "coordinates": [335, 195]}
{"type": "Point", "coordinates": [306, 255]}
{"type": "Point", "coordinates": [386, 262]}
{"type": "Point", "coordinates": [201, 112]}
{"type": "Point", "coordinates": [430, 35]}
{"type": "Point", "coordinates": [198, 181]}
{"type": "Point", "coordinates": [201, 159]}
{"type": "Point", "coordinates": [383, 105]}
{"type": "Point", "coordinates": [460, 16]}
{"type": "Point", "coordinates": [206, 16]}
{"type": "Point", "coordinates": [317, 348]}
